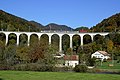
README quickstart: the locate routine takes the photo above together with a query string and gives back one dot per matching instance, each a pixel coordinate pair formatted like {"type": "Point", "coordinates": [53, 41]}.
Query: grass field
{"type": "Point", "coordinates": [105, 65]}
{"type": "Point", "coordinates": [27, 75]}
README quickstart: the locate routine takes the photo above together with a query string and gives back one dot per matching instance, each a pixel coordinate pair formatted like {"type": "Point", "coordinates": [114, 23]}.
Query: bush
{"type": "Point", "coordinates": [80, 68]}
{"type": "Point", "coordinates": [61, 69]}
{"type": "Point", "coordinates": [4, 67]}
{"type": "Point", "coordinates": [33, 67]}
{"type": "Point", "coordinates": [39, 67]}
{"type": "Point", "coordinates": [91, 61]}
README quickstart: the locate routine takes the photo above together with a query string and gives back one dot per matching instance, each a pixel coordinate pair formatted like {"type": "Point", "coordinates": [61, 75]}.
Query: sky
{"type": "Point", "coordinates": [73, 13]}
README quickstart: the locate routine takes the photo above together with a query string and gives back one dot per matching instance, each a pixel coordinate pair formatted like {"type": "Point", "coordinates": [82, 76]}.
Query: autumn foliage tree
{"type": "Point", "coordinates": [37, 52]}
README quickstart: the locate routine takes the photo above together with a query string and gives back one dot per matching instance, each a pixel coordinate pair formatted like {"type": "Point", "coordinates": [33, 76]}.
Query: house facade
{"type": "Point", "coordinates": [101, 55]}
{"type": "Point", "coordinates": [71, 60]}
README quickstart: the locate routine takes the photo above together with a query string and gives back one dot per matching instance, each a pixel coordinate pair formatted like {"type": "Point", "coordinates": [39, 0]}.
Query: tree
{"type": "Point", "coordinates": [82, 56]}
{"type": "Point", "coordinates": [34, 39]}
{"type": "Point", "coordinates": [69, 51]}
{"type": "Point", "coordinates": [91, 61]}
{"type": "Point", "coordinates": [82, 28]}
{"type": "Point", "coordinates": [87, 39]}
{"type": "Point", "coordinates": [116, 39]}
{"type": "Point", "coordinates": [49, 56]}
{"type": "Point", "coordinates": [80, 68]}
{"type": "Point", "coordinates": [99, 39]}
{"type": "Point", "coordinates": [109, 46]}
{"type": "Point", "coordinates": [12, 39]}
{"type": "Point", "coordinates": [65, 43]}
{"type": "Point", "coordinates": [37, 52]}
{"type": "Point", "coordinates": [2, 37]}
{"type": "Point", "coordinates": [9, 55]}
{"type": "Point", "coordinates": [76, 43]}
{"type": "Point", "coordinates": [23, 39]}
{"type": "Point", "coordinates": [22, 54]}
{"type": "Point", "coordinates": [110, 24]}
{"type": "Point", "coordinates": [87, 49]}
{"type": "Point", "coordinates": [2, 47]}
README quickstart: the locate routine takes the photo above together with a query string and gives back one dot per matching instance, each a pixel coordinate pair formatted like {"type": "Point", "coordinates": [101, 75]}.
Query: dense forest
{"type": "Point", "coordinates": [39, 55]}
{"type": "Point", "coordinates": [111, 24]}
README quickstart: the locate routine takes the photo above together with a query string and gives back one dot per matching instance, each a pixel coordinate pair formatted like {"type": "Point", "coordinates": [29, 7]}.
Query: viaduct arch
{"type": "Point", "coordinates": [50, 34]}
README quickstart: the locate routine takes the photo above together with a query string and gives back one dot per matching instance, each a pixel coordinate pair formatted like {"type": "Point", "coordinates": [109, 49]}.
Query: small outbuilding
{"type": "Point", "coordinates": [101, 55]}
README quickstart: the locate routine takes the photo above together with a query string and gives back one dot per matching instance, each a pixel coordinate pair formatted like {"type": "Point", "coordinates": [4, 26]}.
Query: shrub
{"type": "Point", "coordinates": [80, 68]}
{"type": "Point", "coordinates": [105, 60]}
{"type": "Point", "coordinates": [4, 67]}
{"type": "Point", "coordinates": [91, 61]}
{"type": "Point", "coordinates": [61, 69]}
{"type": "Point", "coordinates": [33, 67]}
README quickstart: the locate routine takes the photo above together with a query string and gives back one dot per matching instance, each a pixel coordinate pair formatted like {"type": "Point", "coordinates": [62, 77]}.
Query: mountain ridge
{"type": "Point", "coordinates": [13, 23]}
{"type": "Point", "coordinates": [10, 22]}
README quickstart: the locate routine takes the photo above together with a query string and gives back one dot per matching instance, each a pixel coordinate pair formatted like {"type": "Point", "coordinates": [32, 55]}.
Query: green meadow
{"type": "Point", "coordinates": [106, 65]}
{"type": "Point", "coordinates": [28, 75]}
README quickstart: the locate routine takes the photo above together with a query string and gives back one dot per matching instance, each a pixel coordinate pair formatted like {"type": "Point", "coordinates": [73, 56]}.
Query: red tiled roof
{"type": "Point", "coordinates": [104, 53]}
{"type": "Point", "coordinates": [71, 57]}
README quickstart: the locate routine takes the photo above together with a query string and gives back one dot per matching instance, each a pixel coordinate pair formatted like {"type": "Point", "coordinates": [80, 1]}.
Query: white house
{"type": "Point", "coordinates": [71, 60]}
{"type": "Point", "coordinates": [101, 55]}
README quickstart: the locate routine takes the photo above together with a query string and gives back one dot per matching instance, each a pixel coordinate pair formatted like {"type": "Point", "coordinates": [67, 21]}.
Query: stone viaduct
{"type": "Point", "coordinates": [49, 33]}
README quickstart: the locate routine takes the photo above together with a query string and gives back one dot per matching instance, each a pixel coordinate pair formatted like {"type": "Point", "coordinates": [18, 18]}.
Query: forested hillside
{"type": "Point", "coordinates": [11, 22]}
{"type": "Point", "coordinates": [53, 26]}
{"type": "Point", "coordinates": [111, 24]}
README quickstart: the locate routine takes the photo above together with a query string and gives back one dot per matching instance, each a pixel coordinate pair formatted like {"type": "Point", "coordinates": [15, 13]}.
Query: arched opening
{"type": "Point", "coordinates": [12, 39]}
{"type": "Point", "coordinates": [23, 38]}
{"type": "Point", "coordinates": [99, 42]}
{"type": "Point", "coordinates": [65, 43]}
{"type": "Point", "coordinates": [76, 42]}
{"type": "Point", "coordinates": [44, 39]}
{"type": "Point", "coordinates": [34, 39]}
{"type": "Point", "coordinates": [98, 39]}
{"type": "Point", "coordinates": [55, 41]}
{"type": "Point", "coordinates": [2, 38]}
{"type": "Point", "coordinates": [87, 39]}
